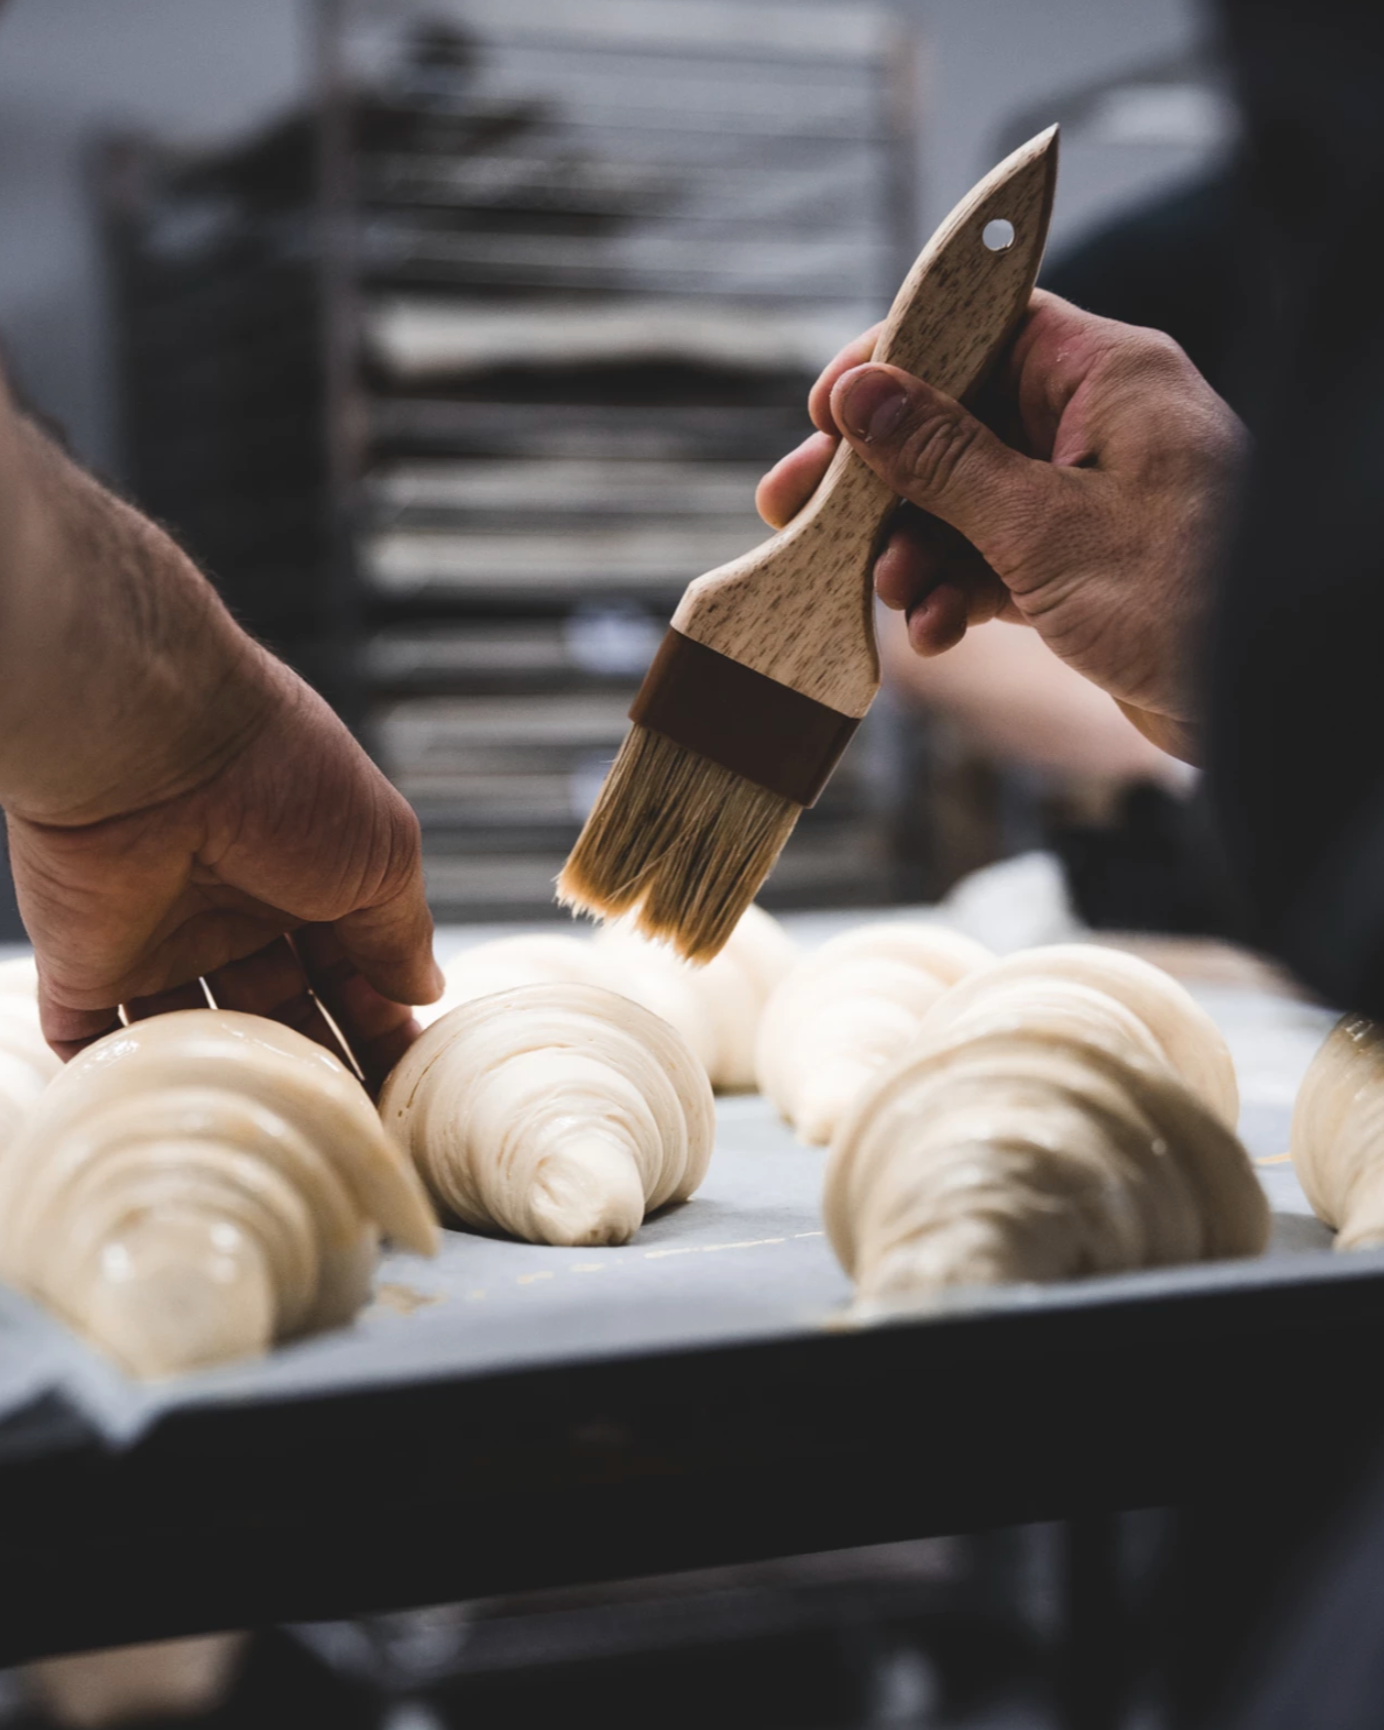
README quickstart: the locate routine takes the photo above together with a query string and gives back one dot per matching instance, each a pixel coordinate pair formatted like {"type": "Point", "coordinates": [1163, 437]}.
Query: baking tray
{"type": "Point", "coordinates": [512, 1416]}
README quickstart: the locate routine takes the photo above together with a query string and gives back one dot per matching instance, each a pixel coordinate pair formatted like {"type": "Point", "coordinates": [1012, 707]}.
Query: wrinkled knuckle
{"type": "Point", "coordinates": [1152, 358]}
{"type": "Point", "coordinates": [1161, 350]}
{"type": "Point", "coordinates": [935, 448]}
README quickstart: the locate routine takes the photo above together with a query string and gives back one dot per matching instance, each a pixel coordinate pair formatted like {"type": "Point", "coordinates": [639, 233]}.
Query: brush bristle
{"type": "Point", "coordinates": [678, 840]}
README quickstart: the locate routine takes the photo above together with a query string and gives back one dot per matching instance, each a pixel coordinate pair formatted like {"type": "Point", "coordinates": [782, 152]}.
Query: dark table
{"type": "Point", "coordinates": [511, 1416]}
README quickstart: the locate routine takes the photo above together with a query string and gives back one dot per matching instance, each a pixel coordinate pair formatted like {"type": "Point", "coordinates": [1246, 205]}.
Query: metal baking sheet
{"type": "Point", "coordinates": [746, 1260]}
{"type": "Point", "coordinates": [510, 1417]}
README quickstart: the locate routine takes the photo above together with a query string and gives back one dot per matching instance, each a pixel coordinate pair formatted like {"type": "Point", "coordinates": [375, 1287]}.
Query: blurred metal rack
{"type": "Point", "coordinates": [456, 376]}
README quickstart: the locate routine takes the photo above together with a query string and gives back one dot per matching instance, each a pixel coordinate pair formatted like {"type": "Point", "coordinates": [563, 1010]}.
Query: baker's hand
{"type": "Point", "coordinates": [177, 800]}
{"type": "Point", "coordinates": [1086, 497]}
{"type": "Point", "coordinates": [297, 831]}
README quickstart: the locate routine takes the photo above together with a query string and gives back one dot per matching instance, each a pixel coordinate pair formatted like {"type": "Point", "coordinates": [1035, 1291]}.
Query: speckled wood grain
{"type": "Point", "coordinates": [798, 607]}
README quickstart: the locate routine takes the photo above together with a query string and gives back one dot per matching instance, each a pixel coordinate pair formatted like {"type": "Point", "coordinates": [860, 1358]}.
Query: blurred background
{"type": "Point", "coordinates": [452, 336]}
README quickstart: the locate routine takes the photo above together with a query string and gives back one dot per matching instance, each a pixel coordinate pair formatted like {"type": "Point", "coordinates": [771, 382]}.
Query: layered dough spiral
{"type": "Point", "coordinates": [1066, 1112]}
{"type": "Point", "coordinates": [561, 1114]}
{"type": "Point", "coordinates": [1084, 988]}
{"type": "Point", "coordinates": [1337, 1138]}
{"type": "Point", "coordinates": [842, 1013]}
{"type": "Point", "coordinates": [197, 1186]}
{"type": "Point", "coordinates": [716, 1008]}
{"type": "Point", "coordinates": [27, 1064]}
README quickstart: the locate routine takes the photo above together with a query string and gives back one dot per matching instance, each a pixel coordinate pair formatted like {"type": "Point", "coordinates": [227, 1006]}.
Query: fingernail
{"type": "Point", "coordinates": [873, 406]}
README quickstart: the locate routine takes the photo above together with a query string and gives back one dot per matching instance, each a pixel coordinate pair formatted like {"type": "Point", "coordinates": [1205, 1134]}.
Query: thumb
{"type": "Point", "coordinates": [937, 455]}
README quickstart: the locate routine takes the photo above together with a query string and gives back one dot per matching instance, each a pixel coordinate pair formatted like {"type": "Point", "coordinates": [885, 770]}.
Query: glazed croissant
{"type": "Point", "coordinates": [1338, 1132]}
{"type": "Point", "coordinates": [842, 1013]}
{"type": "Point", "coordinates": [27, 1064]}
{"type": "Point", "coordinates": [716, 1008]}
{"type": "Point", "coordinates": [557, 1113]}
{"type": "Point", "coordinates": [1039, 1128]}
{"type": "Point", "coordinates": [197, 1186]}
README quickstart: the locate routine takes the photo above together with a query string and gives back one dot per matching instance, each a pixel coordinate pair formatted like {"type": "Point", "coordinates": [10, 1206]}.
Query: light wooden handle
{"type": "Point", "coordinates": [799, 607]}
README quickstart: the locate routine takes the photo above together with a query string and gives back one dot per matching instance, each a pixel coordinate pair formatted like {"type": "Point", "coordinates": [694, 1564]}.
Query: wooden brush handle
{"type": "Point", "coordinates": [799, 608]}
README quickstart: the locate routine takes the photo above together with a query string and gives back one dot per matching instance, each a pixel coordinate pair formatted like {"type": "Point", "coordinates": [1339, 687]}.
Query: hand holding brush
{"type": "Point", "coordinates": [770, 662]}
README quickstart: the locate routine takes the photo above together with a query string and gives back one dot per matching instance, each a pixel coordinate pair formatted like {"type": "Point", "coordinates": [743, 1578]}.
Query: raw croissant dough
{"type": "Point", "coordinates": [846, 1010]}
{"type": "Point", "coordinates": [557, 1113]}
{"type": "Point", "coordinates": [729, 991]}
{"type": "Point", "coordinates": [1094, 988]}
{"type": "Point", "coordinates": [716, 1008]}
{"type": "Point", "coordinates": [1038, 1129]}
{"type": "Point", "coordinates": [1337, 1136]}
{"type": "Point", "coordinates": [534, 958]}
{"type": "Point", "coordinates": [27, 1064]}
{"type": "Point", "coordinates": [199, 1185]}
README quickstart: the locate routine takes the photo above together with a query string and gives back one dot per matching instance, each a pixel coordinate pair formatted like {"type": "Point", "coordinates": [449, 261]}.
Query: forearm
{"type": "Point", "coordinates": [123, 679]}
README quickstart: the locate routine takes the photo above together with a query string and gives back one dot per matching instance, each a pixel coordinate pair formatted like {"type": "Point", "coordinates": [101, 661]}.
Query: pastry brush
{"type": "Point", "coordinates": [770, 662]}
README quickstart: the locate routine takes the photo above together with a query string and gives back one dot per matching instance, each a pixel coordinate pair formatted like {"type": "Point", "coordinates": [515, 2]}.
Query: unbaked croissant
{"type": "Point", "coordinates": [199, 1185]}
{"type": "Point", "coordinates": [27, 1064]}
{"type": "Point", "coordinates": [557, 1113]}
{"type": "Point", "coordinates": [842, 1013]}
{"type": "Point", "coordinates": [716, 1008]}
{"type": "Point", "coordinates": [1337, 1137]}
{"type": "Point", "coordinates": [502, 964]}
{"type": "Point", "coordinates": [1038, 1128]}
{"type": "Point", "coordinates": [1095, 989]}
{"type": "Point", "coordinates": [728, 993]}
{"type": "Point", "coordinates": [638, 971]}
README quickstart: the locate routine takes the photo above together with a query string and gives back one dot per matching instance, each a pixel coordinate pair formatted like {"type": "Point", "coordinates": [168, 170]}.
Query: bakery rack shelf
{"type": "Point", "coordinates": [455, 375]}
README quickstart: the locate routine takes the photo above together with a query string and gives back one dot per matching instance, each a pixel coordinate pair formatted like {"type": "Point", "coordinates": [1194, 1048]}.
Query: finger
{"type": "Point", "coordinates": [937, 455]}
{"type": "Point", "coordinates": [69, 1031]}
{"type": "Point", "coordinates": [855, 353]}
{"type": "Point", "coordinates": [918, 553]}
{"type": "Point", "coordinates": [274, 983]}
{"type": "Point", "coordinates": [939, 619]}
{"type": "Point", "coordinates": [379, 1031]}
{"type": "Point", "coordinates": [793, 479]}
{"type": "Point", "coordinates": [390, 943]}
{"type": "Point", "coordinates": [199, 943]}
{"type": "Point", "coordinates": [190, 996]}
{"type": "Point", "coordinates": [931, 573]}
{"type": "Point", "coordinates": [938, 622]}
